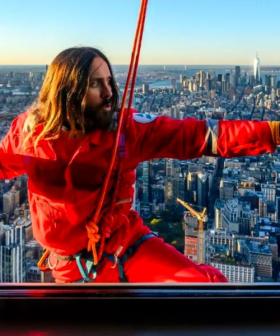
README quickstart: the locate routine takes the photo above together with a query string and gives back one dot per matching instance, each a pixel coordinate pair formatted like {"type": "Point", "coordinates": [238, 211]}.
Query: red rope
{"type": "Point", "coordinates": [137, 55]}
{"type": "Point", "coordinates": [92, 225]}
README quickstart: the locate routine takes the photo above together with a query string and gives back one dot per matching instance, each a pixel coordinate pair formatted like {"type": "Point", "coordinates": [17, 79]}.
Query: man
{"type": "Point", "coordinates": [64, 143]}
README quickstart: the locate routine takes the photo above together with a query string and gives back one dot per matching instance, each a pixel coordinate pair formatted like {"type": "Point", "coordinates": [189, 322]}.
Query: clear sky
{"type": "Point", "coordinates": [176, 32]}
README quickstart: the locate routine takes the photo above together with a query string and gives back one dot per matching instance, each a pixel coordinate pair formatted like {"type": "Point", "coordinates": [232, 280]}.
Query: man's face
{"type": "Point", "coordinates": [98, 113]}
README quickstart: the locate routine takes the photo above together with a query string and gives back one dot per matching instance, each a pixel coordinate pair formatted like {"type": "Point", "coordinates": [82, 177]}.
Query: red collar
{"type": "Point", "coordinates": [95, 137]}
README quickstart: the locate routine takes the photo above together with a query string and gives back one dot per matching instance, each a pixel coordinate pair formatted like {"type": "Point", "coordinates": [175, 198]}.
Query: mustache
{"type": "Point", "coordinates": [98, 118]}
{"type": "Point", "coordinates": [107, 101]}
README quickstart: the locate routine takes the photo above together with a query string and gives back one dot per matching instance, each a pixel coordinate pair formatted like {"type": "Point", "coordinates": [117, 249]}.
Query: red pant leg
{"type": "Point", "coordinates": [157, 261]}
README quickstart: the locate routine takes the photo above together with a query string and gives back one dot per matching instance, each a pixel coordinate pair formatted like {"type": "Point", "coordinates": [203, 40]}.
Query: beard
{"type": "Point", "coordinates": [98, 118]}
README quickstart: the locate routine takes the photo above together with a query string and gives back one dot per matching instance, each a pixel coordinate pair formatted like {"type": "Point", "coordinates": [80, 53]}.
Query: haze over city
{"type": "Point", "coordinates": [176, 32]}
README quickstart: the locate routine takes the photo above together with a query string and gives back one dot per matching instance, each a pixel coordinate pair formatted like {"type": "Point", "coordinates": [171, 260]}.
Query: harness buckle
{"type": "Point", "coordinates": [51, 266]}
{"type": "Point", "coordinates": [116, 256]}
{"type": "Point", "coordinates": [87, 270]}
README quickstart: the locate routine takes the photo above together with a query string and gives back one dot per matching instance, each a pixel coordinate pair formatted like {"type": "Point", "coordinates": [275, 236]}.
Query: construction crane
{"type": "Point", "coordinates": [201, 218]}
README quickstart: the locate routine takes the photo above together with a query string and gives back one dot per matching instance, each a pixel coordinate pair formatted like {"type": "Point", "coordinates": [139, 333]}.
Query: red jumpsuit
{"type": "Point", "coordinates": [65, 176]}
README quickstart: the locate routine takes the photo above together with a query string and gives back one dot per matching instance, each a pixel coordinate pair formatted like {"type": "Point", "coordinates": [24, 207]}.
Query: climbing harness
{"type": "Point", "coordinates": [114, 258]}
{"type": "Point", "coordinates": [85, 264]}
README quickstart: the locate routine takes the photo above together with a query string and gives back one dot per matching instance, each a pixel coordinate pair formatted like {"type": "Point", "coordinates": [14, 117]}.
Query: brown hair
{"type": "Point", "coordinates": [62, 98]}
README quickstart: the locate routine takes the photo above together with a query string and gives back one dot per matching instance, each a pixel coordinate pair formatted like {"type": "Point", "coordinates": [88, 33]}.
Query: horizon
{"type": "Point", "coordinates": [157, 64]}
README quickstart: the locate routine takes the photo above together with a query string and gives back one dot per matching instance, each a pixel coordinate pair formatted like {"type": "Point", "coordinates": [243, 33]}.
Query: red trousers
{"type": "Point", "coordinates": [153, 261]}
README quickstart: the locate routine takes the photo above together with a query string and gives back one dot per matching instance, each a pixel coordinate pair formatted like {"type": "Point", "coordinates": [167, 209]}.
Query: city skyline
{"type": "Point", "coordinates": [178, 32]}
{"type": "Point", "coordinates": [240, 235]}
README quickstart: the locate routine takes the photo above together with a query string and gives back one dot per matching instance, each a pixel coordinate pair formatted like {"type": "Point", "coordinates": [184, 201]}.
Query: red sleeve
{"type": "Point", "coordinates": [244, 138]}
{"type": "Point", "coordinates": [191, 138]}
{"type": "Point", "coordinates": [166, 137]}
{"type": "Point", "coordinates": [11, 158]}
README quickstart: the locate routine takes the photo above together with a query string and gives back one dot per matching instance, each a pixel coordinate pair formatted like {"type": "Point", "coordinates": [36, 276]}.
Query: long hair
{"type": "Point", "coordinates": [62, 98]}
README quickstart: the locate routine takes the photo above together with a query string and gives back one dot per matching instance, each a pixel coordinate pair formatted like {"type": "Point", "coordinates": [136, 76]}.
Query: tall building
{"type": "Point", "coordinates": [267, 83]}
{"type": "Point", "coordinates": [262, 207]}
{"type": "Point", "coordinates": [273, 81]}
{"type": "Point", "coordinates": [11, 200]}
{"type": "Point", "coordinates": [169, 168]}
{"type": "Point", "coordinates": [257, 71]}
{"type": "Point", "coordinates": [191, 187]}
{"type": "Point", "coordinates": [226, 189]}
{"type": "Point", "coordinates": [230, 215]}
{"type": "Point", "coordinates": [218, 214]}
{"type": "Point", "coordinates": [259, 255]}
{"type": "Point", "coordinates": [269, 191]}
{"type": "Point", "coordinates": [245, 219]}
{"type": "Point", "coordinates": [146, 182]}
{"type": "Point", "coordinates": [237, 75]}
{"type": "Point", "coordinates": [12, 254]}
{"type": "Point", "coordinates": [145, 88]}
{"type": "Point", "coordinates": [8, 203]}
{"type": "Point", "coordinates": [226, 83]}
{"type": "Point", "coordinates": [195, 241]}
{"type": "Point", "coordinates": [201, 78]}
{"type": "Point", "coordinates": [202, 189]}
{"type": "Point", "coordinates": [278, 209]}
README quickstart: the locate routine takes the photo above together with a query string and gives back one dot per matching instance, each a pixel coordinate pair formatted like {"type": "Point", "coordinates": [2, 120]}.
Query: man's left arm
{"type": "Point", "coordinates": [158, 137]}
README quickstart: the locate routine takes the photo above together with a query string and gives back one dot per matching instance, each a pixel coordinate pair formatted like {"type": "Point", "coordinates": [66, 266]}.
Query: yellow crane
{"type": "Point", "coordinates": [201, 218]}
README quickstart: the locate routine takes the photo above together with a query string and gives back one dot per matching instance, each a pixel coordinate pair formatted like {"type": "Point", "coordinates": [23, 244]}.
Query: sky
{"type": "Point", "coordinates": [176, 32]}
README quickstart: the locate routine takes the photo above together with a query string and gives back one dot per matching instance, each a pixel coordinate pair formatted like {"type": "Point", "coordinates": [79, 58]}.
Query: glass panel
{"type": "Point", "coordinates": [232, 217]}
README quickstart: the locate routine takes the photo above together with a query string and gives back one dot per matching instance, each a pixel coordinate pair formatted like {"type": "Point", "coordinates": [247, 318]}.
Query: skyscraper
{"type": "Point", "coordinates": [146, 182]}
{"type": "Point", "coordinates": [237, 75]}
{"type": "Point", "coordinates": [202, 189]}
{"type": "Point", "coordinates": [145, 88]}
{"type": "Point", "coordinates": [257, 72]}
{"type": "Point", "coordinates": [12, 254]}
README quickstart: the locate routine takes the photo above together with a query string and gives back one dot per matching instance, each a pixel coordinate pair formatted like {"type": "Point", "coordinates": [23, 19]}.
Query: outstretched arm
{"type": "Point", "coordinates": [159, 137]}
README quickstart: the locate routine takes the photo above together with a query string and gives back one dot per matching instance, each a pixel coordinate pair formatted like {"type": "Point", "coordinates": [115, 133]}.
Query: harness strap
{"type": "Point", "coordinates": [87, 269]}
{"type": "Point", "coordinates": [130, 251]}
